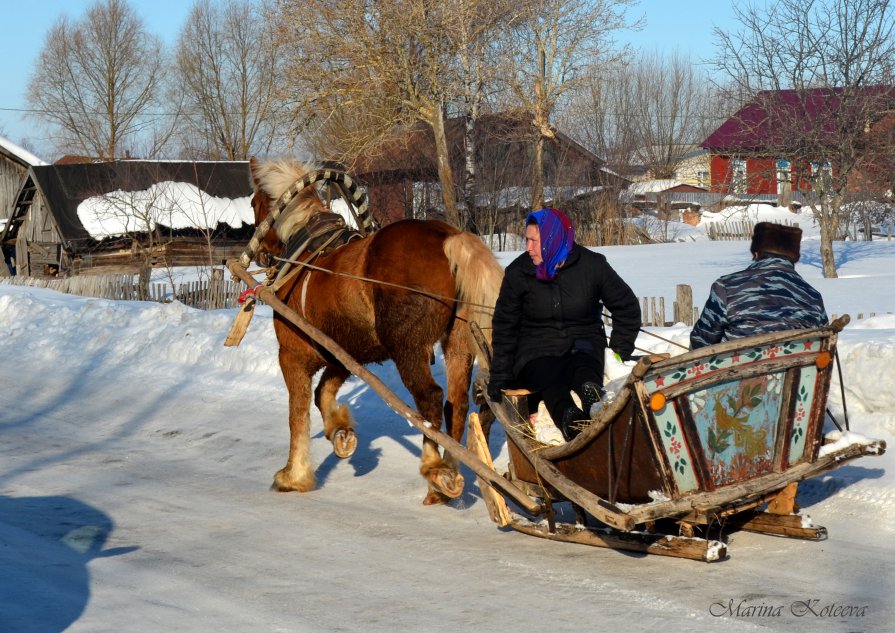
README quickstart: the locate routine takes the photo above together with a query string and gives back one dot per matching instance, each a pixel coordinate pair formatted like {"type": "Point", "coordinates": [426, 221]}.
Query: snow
{"type": "Point", "coordinates": [176, 205]}
{"type": "Point", "coordinates": [651, 186]}
{"type": "Point", "coordinates": [22, 153]}
{"type": "Point", "coordinates": [137, 454]}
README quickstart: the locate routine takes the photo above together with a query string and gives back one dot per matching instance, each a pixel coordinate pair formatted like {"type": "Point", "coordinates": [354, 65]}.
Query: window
{"type": "Point", "coordinates": [821, 175]}
{"type": "Point", "coordinates": [783, 177]}
{"type": "Point", "coordinates": [738, 179]}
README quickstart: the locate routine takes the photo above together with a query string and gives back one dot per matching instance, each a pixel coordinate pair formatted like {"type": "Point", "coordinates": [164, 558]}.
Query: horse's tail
{"type": "Point", "coordinates": [478, 276]}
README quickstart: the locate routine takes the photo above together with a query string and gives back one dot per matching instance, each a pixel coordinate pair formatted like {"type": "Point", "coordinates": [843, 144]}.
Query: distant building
{"type": "Point", "coordinates": [691, 167]}
{"type": "Point", "coordinates": [751, 152]}
{"type": "Point", "coordinates": [668, 199]}
{"type": "Point", "coordinates": [401, 175]}
{"type": "Point", "coordinates": [44, 234]}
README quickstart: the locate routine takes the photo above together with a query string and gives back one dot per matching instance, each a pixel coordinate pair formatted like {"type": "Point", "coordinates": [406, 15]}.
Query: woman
{"type": "Point", "coordinates": [548, 328]}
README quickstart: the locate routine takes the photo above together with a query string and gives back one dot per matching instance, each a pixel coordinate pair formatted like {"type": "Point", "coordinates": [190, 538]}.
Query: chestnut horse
{"type": "Point", "coordinates": [436, 279]}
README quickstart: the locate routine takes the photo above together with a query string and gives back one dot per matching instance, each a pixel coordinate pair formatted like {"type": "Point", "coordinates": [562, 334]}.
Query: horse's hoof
{"type": "Point", "coordinates": [344, 443]}
{"type": "Point", "coordinates": [283, 482]}
{"type": "Point", "coordinates": [448, 482]}
{"type": "Point", "coordinates": [434, 499]}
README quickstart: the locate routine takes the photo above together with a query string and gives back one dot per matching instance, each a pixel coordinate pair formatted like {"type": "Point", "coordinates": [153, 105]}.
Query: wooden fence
{"type": "Point", "coordinates": [219, 294]}
{"type": "Point", "coordinates": [738, 229]}
{"type": "Point", "coordinates": [213, 294]}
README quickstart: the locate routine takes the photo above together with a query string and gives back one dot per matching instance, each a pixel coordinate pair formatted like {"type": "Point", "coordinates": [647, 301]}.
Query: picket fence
{"type": "Point", "coordinates": [219, 294]}
{"type": "Point", "coordinates": [738, 229]}
{"type": "Point", "coordinates": [213, 294]}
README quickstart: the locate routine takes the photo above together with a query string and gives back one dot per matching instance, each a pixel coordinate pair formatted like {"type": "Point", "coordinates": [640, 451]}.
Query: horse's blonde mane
{"type": "Point", "coordinates": [274, 178]}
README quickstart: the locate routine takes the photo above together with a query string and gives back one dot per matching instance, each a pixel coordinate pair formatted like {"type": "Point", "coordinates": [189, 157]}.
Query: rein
{"type": "Point", "coordinates": [425, 293]}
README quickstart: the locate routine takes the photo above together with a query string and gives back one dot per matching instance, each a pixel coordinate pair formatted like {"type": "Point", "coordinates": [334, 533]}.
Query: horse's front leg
{"type": "Point", "coordinates": [338, 425]}
{"type": "Point", "coordinates": [298, 473]}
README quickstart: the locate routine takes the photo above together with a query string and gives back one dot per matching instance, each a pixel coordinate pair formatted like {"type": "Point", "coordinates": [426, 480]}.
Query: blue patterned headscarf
{"type": "Point", "coordinates": [557, 237]}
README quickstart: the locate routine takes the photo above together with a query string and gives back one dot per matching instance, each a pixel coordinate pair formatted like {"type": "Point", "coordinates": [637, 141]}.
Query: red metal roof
{"type": "Point", "coordinates": [777, 120]}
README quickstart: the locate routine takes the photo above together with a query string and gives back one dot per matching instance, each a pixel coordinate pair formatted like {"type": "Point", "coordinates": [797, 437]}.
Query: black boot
{"type": "Point", "coordinates": [591, 394]}
{"type": "Point", "coordinates": [571, 424]}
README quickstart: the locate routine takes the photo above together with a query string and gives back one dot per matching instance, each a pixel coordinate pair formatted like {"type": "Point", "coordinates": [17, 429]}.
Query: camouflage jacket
{"type": "Point", "coordinates": [768, 296]}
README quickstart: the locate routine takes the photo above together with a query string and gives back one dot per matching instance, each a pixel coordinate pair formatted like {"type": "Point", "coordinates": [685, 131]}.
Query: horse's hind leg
{"type": "Point", "coordinates": [458, 369]}
{"type": "Point", "coordinates": [338, 425]}
{"type": "Point", "coordinates": [298, 473]}
{"type": "Point", "coordinates": [443, 479]}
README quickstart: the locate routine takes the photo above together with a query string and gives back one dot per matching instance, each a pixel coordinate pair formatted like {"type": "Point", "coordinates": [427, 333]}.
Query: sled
{"type": "Point", "coordinates": [712, 440]}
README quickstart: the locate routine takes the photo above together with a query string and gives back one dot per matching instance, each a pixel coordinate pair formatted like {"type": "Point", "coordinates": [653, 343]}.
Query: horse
{"type": "Point", "coordinates": [391, 295]}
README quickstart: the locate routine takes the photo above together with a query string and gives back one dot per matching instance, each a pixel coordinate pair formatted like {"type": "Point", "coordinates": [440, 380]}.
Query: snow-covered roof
{"type": "Point", "coordinates": [22, 154]}
{"type": "Point", "coordinates": [653, 186]}
{"type": "Point", "coordinates": [174, 204]}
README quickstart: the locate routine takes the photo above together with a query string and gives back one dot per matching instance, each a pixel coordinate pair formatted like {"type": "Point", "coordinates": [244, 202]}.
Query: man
{"type": "Point", "coordinates": [548, 331]}
{"type": "Point", "coordinates": [768, 296]}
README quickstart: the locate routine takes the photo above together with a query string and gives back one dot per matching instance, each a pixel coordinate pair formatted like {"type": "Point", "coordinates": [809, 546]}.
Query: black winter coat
{"type": "Point", "coordinates": [535, 318]}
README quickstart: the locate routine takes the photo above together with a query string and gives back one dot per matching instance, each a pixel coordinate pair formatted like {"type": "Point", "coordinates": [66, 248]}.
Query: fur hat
{"type": "Point", "coordinates": [776, 239]}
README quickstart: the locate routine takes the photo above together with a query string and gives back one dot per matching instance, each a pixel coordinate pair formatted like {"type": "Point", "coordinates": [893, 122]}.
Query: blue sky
{"type": "Point", "coordinates": [670, 25]}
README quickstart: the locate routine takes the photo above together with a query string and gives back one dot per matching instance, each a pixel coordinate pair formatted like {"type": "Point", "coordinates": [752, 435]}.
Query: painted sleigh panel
{"type": "Point", "coordinates": [725, 416]}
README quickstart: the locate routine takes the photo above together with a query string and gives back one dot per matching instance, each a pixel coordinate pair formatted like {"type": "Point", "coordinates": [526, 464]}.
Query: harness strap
{"type": "Point", "coordinates": [304, 290]}
{"type": "Point", "coordinates": [288, 200]}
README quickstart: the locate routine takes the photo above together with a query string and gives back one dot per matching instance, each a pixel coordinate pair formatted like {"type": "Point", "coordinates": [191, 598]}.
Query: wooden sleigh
{"type": "Point", "coordinates": [699, 444]}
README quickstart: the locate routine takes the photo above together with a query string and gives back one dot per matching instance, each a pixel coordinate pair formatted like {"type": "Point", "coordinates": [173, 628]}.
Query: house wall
{"type": "Point", "coordinates": [761, 175]}
{"type": "Point", "coordinates": [721, 175]}
{"type": "Point", "coordinates": [10, 178]}
{"type": "Point", "coordinates": [389, 201]}
{"type": "Point", "coordinates": [694, 171]}
{"type": "Point", "coordinates": [39, 245]}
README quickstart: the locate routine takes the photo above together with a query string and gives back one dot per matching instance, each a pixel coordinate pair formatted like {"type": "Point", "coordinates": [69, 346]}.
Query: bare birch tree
{"type": "Point", "coordinates": [137, 216]}
{"type": "Point", "coordinates": [228, 70]}
{"type": "Point", "coordinates": [669, 102]}
{"type": "Point", "coordinates": [98, 80]}
{"type": "Point", "coordinates": [846, 48]}
{"type": "Point", "coordinates": [551, 53]}
{"type": "Point", "coordinates": [359, 70]}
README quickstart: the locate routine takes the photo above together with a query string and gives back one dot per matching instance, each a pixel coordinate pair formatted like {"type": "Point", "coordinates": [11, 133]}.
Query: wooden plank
{"type": "Point", "coordinates": [596, 506]}
{"type": "Point", "coordinates": [757, 487]}
{"type": "Point", "coordinates": [785, 501]}
{"type": "Point", "coordinates": [788, 525]}
{"type": "Point", "coordinates": [476, 442]}
{"type": "Point", "coordinates": [656, 544]}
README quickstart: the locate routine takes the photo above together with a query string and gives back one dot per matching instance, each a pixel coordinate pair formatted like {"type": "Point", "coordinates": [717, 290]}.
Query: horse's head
{"type": "Point", "coordinates": [270, 180]}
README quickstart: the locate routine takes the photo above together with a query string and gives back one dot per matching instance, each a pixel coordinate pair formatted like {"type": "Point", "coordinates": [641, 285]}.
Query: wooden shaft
{"type": "Point", "coordinates": [426, 428]}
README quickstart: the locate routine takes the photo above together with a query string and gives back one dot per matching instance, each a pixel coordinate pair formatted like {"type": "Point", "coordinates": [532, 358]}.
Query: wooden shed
{"type": "Point", "coordinates": [44, 234]}
{"type": "Point", "coordinates": [14, 163]}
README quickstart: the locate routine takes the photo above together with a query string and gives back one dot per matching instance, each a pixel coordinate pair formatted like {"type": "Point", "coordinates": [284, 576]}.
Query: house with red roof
{"type": "Point", "coordinates": [783, 140]}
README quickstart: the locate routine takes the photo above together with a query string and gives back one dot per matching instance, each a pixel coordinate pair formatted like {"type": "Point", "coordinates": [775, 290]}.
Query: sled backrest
{"type": "Point", "coordinates": [729, 413]}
